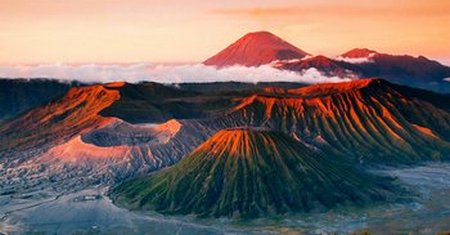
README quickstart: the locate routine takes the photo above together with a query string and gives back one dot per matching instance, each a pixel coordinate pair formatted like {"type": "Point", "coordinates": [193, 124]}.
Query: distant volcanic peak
{"type": "Point", "coordinates": [255, 49]}
{"type": "Point", "coordinates": [320, 58]}
{"type": "Point", "coordinates": [267, 40]}
{"type": "Point", "coordinates": [261, 36]}
{"type": "Point", "coordinates": [319, 61]}
{"type": "Point", "coordinates": [359, 53]}
{"type": "Point", "coordinates": [358, 56]}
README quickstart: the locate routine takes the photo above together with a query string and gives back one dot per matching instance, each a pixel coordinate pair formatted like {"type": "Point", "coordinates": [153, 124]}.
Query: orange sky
{"type": "Point", "coordinates": [111, 31]}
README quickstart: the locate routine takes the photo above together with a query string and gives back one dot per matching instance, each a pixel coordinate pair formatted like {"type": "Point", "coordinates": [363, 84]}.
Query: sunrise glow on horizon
{"type": "Point", "coordinates": [120, 31]}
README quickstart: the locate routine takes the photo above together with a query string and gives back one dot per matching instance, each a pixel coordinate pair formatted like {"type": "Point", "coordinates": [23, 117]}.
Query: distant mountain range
{"type": "Point", "coordinates": [264, 48]}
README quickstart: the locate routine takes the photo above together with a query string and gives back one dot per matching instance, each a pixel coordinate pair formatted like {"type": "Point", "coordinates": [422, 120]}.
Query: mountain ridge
{"type": "Point", "coordinates": [419, 71]}
{"type": "Point", "coordinates": [371, 120]}
{"type": "Point", "coordinates": [362, 122]}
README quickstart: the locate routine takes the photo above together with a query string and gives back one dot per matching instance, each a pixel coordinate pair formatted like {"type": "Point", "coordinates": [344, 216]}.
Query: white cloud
{"type": "Point", "coordinates": [162, 73]}
{"type": "Point", "coordinates": [359, 60]}
{"type": "Point", "coordinates": [278, 62]}
{"type": "Point", "coordinates": [447, 79]}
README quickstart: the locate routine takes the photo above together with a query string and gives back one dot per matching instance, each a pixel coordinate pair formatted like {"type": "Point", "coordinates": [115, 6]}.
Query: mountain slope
{"type": "Point", "coordinates": [75, 113]}
{"type": "Point", "coordinates": [398, 67]}
{"type": "Point", "coordinates": [72, 144]}
{"type": "Point", "coordinates": [84, 109]}
{"type": "Point", "coordinates": [403, 69]}
{"type": "Point", "coordinates": [359, 53]}
{"type": "Point", "coordinates": [250, 173]}
{"type": "Point", "coordinates": [104, 133]}
{"type": "Point", "coordinates": [323, 64]}
{"type": "Point", "coordinates": [255, 49]}
{"type": "Point", "coordinates": [365, 120]}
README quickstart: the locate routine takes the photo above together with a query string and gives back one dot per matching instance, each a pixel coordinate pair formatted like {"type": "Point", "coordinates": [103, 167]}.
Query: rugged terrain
{"type": "Point", "coordinates": [368, 120]}
{"type": "Point", "coordinates": [92, 135]}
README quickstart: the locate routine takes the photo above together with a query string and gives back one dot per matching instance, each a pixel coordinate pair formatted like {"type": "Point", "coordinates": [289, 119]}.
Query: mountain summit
{"type": "Point", "coordinates": [255, 49]}
{"type": "Point", "coordinates": [359, 53]}
{"type": "Point", "coordinates": [250, 173]}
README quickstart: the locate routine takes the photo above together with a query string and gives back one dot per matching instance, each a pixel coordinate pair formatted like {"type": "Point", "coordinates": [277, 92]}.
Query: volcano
{"type": "Point", "coordinates": [83, 109]}
{"type": "Point", "coordinates": [118, 131]}
{"type": "Point", "coordinates": [249, 173]}
{"type": "Point", "coordinates": [255, 49]}
{"type": "Point", "coordinates": [359, 53]}
{"type": "Point", "coordinates": [264, 48]}
{"type": "Point", "coordinates": [367, 119]}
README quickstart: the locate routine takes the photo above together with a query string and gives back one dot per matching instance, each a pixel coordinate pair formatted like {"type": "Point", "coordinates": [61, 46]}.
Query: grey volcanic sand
{"type": "Point", "coordinates": [71, 213]}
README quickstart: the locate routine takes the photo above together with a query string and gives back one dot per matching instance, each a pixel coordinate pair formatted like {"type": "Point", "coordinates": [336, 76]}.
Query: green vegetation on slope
{"type": "Point", "coordinates": [251, 173]}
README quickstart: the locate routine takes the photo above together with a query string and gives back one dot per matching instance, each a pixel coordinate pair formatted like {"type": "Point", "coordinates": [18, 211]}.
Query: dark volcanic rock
{"type": "Point", "coordinates": [20, 95]}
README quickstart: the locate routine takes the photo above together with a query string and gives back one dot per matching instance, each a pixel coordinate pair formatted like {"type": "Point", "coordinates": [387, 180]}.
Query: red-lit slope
{"type": "Point", "coordinates": [327, 89]}
{"type": "Point", "coordinates": [251, 173]}
{"type": "Point", "coordinates": [57, 122]}
{"type": "Point", "coordinates": [255, 49]}
{"type": "Point", "coordinates": [84, 109]}
{"type": "Point", "coordinates": [364, 119]}
{"type": "Point", "coordinates": [359, 53]}
{"type": "Point", "coordinates": [73, 143]}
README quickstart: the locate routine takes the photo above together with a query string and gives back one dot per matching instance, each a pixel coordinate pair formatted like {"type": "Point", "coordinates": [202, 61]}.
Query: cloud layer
{"type": "Point", "coordinates": [162, 73]}
{"type": "Point", "coordinates": [360, 60]}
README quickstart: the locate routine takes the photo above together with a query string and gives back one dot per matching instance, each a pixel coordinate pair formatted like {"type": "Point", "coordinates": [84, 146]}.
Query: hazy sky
{"type": "Point", "coordinates": [111, 31]}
